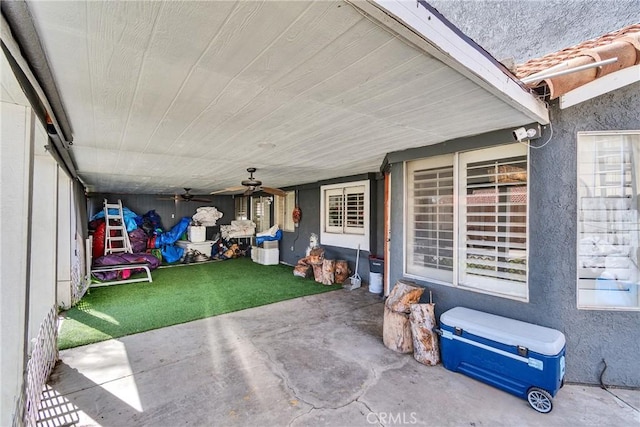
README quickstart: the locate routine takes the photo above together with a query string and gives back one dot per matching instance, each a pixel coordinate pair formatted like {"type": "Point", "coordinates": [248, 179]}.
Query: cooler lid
{"type": "Point", "coordinates": [505, 330]}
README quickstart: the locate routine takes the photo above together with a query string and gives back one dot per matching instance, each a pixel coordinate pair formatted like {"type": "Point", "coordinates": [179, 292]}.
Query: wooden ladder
{"type": "Point", "coordinates": [116, 229]}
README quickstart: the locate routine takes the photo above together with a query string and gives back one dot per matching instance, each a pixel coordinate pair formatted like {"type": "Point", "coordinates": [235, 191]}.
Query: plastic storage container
{"type": "Point", "coordinates": [270, 244]}
{"type": "Point", "coordinates": [265, 256]}
{"type": "Point", "coordinates": [521, 358]}
{"type": "Point", "coordinates": [204, 247]}
{"type": "Point", "coordinates": [197, 234]}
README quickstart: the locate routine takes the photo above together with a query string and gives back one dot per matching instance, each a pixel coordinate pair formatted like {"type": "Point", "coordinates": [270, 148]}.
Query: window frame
{"type": "Point", "coordinates": [457, 278]}
{"type": "Point", "coordinates": [581, 286]}
{"type": "Point", "coordinates": [241, 208]}
{"type": "Point", "coordinates": [344, 236]}
{"type": "Point", "coordinates": [261, 215]}
{"type": "Point", "coordinates": [284, 210]}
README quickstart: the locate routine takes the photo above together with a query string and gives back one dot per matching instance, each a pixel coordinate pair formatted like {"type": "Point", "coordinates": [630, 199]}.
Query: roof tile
{"type": "Point", "coordinates": [623, 44]}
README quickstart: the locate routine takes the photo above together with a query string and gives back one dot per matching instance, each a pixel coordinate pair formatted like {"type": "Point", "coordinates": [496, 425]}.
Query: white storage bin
{"type": "Point", "coordinates": [265, 256]}
{"type": "Point", "coordinates": [197, 234]}
{"type": "Point", "coordinates": [203, 247]}
{"type": "Point", "coordinates": [270, 244]}
{"type": "Point", "coordinates": [270, 256]}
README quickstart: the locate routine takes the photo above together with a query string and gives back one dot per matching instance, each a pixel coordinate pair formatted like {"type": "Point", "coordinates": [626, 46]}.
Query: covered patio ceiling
{"type": "Point", "coordinates": [163, 95]}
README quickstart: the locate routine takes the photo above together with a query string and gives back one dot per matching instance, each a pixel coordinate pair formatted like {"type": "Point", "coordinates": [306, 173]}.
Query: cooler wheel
{"type": "Point", "coordinates": [539, 400]}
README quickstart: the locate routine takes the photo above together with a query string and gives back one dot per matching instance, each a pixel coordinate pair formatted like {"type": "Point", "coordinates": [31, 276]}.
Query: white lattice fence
{"type": "Point", "coordinates": [43, 357]}
{"type": "Point", "coordinates": [79, 279]}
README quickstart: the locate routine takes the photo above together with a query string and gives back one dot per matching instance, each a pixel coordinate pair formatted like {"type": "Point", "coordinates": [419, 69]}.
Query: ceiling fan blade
{"type": "Point", "coordinates": [274, 191]}
{"type": "Point", "coordinates": [231, 190]}
{"type": "Point", "coordinates": [195, 199]}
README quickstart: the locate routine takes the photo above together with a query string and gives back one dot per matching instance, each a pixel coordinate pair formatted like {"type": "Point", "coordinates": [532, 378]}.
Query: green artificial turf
{"type": "Point", "coordinates": [180, 294]}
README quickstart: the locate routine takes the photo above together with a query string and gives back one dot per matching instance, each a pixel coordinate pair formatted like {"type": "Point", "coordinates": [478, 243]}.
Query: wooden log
{"type": "Point", "coordinates": [396, 331]}
{"type": "Point", "coordinates": [425, 341]}
{"type": "Point", "coordinates": [316, 256]}
{"type": "Point", "coordinates": [302, 270]}
{"type": "Point", "coordinates": [328, 271]}
{"type": "Point", "coordinates": [403, 295]}
{"type": "Point", "coordinates": [317, 272]}
{"type": "Point", "coordinates": [342, 271]}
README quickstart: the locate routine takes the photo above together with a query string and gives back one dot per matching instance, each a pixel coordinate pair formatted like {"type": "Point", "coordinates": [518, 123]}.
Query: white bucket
{"type": "Point", "coordinates": [375, 283]}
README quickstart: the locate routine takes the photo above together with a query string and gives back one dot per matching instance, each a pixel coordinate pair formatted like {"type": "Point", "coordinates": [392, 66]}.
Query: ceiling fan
{"type": "Point", "coordinates": [185, 197]}
{"type": "Point", "coordinates": [251, 185]}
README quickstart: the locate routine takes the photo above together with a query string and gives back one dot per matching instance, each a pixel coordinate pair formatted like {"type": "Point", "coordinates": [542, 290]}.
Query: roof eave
{"type": "Point", "coordinates": [426, 29]}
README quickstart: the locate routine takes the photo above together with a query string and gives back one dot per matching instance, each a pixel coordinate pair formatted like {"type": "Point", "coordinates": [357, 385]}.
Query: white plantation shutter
{"type": "Point", "coordinates": [335, 210]}
{"type": "Point", "coordinates": [608, 220]}
{"type": "Point", "coordinates": [430, 222]}
{"type": "Point", "coordinates": [261, 213]}
{"type": "Point", "coordinates": [344, 215]}
{"type": "Point", "coordinates": [493, 220]}
{"type": "Point", "coordinates": [241, 207]}
{"type": "Point", "coordinates": [354, 210]}
{"type": "Point", "coordinates": [284, 209]}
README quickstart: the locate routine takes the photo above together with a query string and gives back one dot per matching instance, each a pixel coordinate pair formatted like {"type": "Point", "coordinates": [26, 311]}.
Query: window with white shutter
{"type": "Point", "coordinates": [261, 213]}
{"type": "Point", "coordinates": [608, 220]}
{"type": "Point", "coordinates": [430, 235]}
{"type": "Point", "coordinates": [469, 228]}
{"type": "Point", "coordinates": [284, 209]}
{"type": "Point", "coordinates": [493, 220]}
{"type": "Point", "coordinates": [345, 215]}
{"type": "Point", "coordinates": [241, 208]}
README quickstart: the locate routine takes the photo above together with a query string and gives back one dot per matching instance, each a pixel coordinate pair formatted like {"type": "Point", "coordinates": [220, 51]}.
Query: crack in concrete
{"type": "Point", "coordinates": [633, 408]}
{"type": "Point", "coordinates": [293, 420]}
{"type": "Point", "coordinates": [275, 367]}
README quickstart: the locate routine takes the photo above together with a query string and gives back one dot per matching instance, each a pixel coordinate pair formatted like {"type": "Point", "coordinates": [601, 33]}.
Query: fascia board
{"type": "Point", "coordinates": [425, 30]}
{"type": "Point", "coordinates": [600, 86]}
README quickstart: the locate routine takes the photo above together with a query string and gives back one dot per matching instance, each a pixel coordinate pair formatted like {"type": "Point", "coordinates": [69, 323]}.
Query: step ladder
{"type": "Point", "coordinates": [115, 230]}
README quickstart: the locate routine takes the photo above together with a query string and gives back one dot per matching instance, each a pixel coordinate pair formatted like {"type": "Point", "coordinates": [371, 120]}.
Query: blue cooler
{"type": "Point", "coordinates": [521, 358]}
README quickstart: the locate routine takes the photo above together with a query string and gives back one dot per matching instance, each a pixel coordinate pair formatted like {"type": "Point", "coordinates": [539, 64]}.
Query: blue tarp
{"type": "Point", "coordinates": [129, 217]}
{"type": "Point", "coordinates": [171, 253]}
{"type": "Point", "coordinates": [261, 239]}
{"type": "Point", "coordinates": [171, 236]}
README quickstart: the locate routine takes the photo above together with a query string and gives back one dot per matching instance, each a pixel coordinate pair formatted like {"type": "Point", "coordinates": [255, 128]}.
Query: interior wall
{"type": "Point", "coordinates": [592, 335]}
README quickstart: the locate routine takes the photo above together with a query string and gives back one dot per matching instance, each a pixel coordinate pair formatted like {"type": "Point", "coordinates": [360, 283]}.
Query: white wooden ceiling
{"type": "Point", "coordinates": [163, 95]}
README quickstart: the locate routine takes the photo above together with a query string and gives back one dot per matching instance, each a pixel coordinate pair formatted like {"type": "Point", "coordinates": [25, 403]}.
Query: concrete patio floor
{"type": "Point", "coordinates": [312, 361]}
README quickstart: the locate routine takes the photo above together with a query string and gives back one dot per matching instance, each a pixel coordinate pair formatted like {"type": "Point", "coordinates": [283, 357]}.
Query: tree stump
{"type": "Point", "coordinates": [317, 272]}
{"type": "Point", "coordinates": [342, 271]}
{"type": "Point", "coordinates": [396, 331]}
{"type": "Point", "coordinates": [302, 269]}
{"type": "Point", "coordinates": [316, 256]}
{"type": "Point", "coordinates": [328, 271]}
{"type": "Point", "coordinates": [402, 296]}
{"type": "Point", "coordinates": [425, 341]}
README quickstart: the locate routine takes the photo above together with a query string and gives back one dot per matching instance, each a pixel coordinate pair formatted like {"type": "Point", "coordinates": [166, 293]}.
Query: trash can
{"type": "Point", "coordinates": [376, 265]}
{"type": "Point", "coordinates": [376, 269]}
{"type": "Point", "coordinates": [375, 283]}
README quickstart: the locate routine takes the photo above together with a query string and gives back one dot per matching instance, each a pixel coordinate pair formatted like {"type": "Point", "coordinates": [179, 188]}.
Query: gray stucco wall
{"type": "Point", "coordinates": [309, 202]}
{"type": "Point", "coordinates": [592, 336]}
{"type": "Point", "coordinates": [529, 29]}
